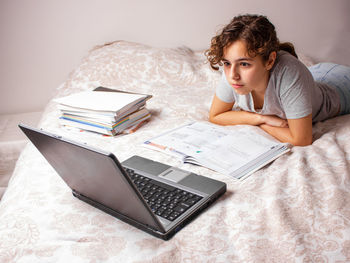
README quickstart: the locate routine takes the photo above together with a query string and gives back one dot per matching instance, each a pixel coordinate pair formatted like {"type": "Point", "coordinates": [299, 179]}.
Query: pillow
{"type": "Point", "coordinates": [134, 67]}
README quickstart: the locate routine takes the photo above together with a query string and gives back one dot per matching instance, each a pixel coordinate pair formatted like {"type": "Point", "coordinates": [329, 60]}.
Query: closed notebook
{"type": "Point", "coordinates": [102, 101]}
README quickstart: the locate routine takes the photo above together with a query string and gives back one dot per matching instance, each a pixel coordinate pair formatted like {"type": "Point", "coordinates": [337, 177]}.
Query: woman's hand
{"type": "Point", "coordinates": [275, 121]}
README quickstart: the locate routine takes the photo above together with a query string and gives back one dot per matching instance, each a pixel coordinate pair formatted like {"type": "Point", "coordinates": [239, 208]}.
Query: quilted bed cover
{"type": "Point", "coordinates": [297, 209]}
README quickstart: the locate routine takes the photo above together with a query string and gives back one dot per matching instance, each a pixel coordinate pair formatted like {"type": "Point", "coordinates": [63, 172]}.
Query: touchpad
{"type": "Point", "coordinates": [146, 165]}
{"type": "Point", "coordinates": [174, 175]}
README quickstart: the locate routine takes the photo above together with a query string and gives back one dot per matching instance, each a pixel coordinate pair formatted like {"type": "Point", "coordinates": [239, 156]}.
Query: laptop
{"type": "Point", "coordinates": [152, 196]}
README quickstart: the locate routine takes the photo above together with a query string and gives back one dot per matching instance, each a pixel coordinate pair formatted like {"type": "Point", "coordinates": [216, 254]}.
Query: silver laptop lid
{"type": "Point", "coordinates": [93, 173]}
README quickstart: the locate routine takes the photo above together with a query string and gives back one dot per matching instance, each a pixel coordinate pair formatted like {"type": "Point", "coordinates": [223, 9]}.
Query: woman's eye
{"type": "Point", "coordinates": [226, 64]}
{"type": "Point", "coordinates": [245, 64]}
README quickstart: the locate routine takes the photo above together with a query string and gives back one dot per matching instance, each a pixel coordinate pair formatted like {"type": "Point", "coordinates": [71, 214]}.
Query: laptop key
{"type": "Point", "coordinates": [173, 216]}
{"type": "Point", "coordinates": [165, 186]}
{"type": "Point", "coordinates": [180, 209]}
{"type": "Point", "coordinates": [184, 204]}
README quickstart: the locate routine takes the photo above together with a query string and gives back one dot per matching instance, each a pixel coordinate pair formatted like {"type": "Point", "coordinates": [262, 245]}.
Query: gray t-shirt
{"type": "Point", "coordinates": [291, 93]}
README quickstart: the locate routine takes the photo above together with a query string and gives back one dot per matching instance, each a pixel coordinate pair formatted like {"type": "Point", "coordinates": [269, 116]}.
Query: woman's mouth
{"type": "Point", "coordinates": [237, 86]}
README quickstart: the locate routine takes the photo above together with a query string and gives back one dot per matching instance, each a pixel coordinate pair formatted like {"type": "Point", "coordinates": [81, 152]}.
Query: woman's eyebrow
{"type": "Point", "coordinates": [238, 60]}
{"type": "Point", "coordinates": [244, 58]}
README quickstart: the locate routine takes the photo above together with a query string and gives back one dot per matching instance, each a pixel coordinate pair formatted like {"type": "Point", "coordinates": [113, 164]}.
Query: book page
{"type": "Point", "coordinates": [221, 148]}
{"type": "Point", "coordinates": [230, 152]}
{"type": "Point", "coordinates": [188, 139]}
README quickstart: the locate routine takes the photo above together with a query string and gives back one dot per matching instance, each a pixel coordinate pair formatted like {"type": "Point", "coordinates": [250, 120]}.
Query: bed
{"type": "Point", "coordinates": [297, 209]}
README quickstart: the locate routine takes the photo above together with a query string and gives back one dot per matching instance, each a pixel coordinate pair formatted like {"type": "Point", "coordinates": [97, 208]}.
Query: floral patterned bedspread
{"type": "Point", "coordinates": [296, 209]}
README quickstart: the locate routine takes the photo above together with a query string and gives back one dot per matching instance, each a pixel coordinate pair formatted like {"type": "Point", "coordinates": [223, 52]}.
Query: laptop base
{"type": "Point", "coordinates": [130, 221]}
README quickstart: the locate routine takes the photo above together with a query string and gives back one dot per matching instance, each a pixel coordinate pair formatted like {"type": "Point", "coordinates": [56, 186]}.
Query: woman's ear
{"type": "Point", "coordinates": [271, 61]}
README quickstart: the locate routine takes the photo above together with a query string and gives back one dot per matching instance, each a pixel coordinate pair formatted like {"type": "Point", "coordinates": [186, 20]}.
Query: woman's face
{"type": "Point", "coordinates": [244, 73]}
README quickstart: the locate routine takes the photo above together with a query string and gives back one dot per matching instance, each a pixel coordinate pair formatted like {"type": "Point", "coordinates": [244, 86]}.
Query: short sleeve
{"type": "Point", "coordinates": [224, 91]}
{"type": "Point", "coordinates": [296, 92]}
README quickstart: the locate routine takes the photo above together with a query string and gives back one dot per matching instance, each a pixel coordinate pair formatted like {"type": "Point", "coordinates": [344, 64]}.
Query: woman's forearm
{"type": "Point", "coordinates": [298, 132]}
{"type": "Point", "coordinates": [236, 117]}
{"type": "Point", "coordinates": [294, 131]}
{"type": "Point", "coordinates": [249, 118]}
{"type": "Point", "coordinates": [281, 134]}
{"type": "Point", "coordinates": [285, 135]}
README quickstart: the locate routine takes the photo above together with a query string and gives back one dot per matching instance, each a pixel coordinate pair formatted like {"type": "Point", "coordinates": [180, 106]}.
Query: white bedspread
{"type": "Point", "coordinates": [297, 209]}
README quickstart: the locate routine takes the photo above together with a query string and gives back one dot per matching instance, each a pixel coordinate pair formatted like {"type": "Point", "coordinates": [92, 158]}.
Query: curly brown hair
{"type": "Point", "coordinates": [258, 33]}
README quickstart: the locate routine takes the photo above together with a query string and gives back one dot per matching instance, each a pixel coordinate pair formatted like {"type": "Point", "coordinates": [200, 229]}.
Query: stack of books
{"type": "Point", "coordinates": [105, 111]}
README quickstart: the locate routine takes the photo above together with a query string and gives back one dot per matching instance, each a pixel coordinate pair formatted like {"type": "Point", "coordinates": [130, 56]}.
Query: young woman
{"type": "Point", "coordinates": [265, 84]}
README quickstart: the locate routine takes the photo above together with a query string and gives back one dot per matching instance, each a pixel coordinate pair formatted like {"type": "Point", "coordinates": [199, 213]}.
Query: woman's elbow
{"type": "Point", "coordinates": [213, 118]}
{"type": "Point", "coordinates": [301, 142]}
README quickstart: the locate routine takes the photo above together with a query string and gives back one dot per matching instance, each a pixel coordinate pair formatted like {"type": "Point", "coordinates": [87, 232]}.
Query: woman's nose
{"type": "Point", "coordinates": [234, 73]}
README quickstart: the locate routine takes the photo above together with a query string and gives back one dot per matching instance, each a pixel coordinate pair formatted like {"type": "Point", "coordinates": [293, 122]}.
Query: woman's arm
{"type": "Point", "coordinates": [294, 131]}
{"type": "Point", "coordinates": [221, 113]}
{"type": "Point", "coordinates": [298, 132]}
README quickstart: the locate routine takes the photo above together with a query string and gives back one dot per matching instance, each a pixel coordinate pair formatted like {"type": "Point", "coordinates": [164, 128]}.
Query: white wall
{"type": "Point", "coordinates": [41, 41]}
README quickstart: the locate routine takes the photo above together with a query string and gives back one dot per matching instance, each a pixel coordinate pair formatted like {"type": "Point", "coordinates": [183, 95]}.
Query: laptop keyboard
{"type": "Point", "coordinates": [165, 200]}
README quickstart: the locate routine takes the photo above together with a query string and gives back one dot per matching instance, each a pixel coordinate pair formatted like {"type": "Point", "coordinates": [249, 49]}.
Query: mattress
{"type": "Point", "coordinates": [297, 209]}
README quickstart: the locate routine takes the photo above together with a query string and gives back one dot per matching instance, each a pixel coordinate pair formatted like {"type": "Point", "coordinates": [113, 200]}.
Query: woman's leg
{"type": "Point", "coordinates": [337, 76]}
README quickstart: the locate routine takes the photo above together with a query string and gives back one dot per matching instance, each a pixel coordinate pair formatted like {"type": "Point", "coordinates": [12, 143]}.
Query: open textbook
{"type": "Point", "coordinates": [237, 150]}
